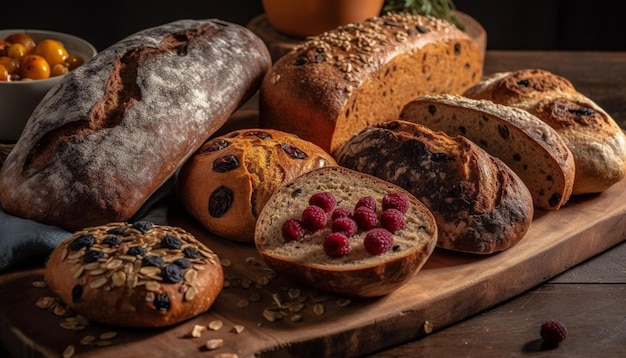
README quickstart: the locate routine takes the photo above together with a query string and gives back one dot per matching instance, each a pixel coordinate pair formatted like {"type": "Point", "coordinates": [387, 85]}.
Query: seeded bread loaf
{"type": "Point", "coordinates": [529, 146]}
{"type": "Point", "coordinates": [356, 272]}
{"type": "Point", "coordinates": [481, 206]}
{"type": "Point", "coordinates": [134, 275]}
{"type": "Point", "coordinates": [116, 128]}
{"type": "Point", "coordinates": [226, 183]}
{"type": "Point", "coordinates": [595, 139]}
{"type": "Point", "coordinates": [333, 85]}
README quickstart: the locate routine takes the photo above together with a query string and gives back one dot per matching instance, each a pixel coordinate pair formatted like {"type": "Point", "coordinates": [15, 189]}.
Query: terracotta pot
{"type": "Point", "coordinates": [304, 18]}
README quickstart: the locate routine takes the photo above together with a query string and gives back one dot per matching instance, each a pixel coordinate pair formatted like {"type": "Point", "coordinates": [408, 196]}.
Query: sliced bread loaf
{"type": "Point", "coordinates": [481, 206]}
{"type": "Point", "coordinates": [356, 266]}
{"type": "Point", "coordinates": [533, 149]}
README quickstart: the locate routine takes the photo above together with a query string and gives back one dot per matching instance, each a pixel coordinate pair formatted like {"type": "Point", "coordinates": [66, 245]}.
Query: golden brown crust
{"type": "Point", "coordinates": [134, 275]}
{"type": "Point", "coordinates": [335, 84]}
{"type": "Point", "coordinates": [226, 183]}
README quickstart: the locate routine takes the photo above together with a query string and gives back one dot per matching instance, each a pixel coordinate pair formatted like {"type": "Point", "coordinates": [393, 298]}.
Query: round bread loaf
{"type": "Point", "coordinates": [134, 275]}
{"type": "Point", "coordinates": [480, 204]}
{"type": "Point", "coordinates": [354, 271]}
{"type": "Point", "coordinates": [226, 183]}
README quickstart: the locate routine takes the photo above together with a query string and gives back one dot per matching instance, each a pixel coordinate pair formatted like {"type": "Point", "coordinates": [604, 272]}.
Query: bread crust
{"type": "Point", "coordinates": [256, 162]}
{"type": "Point", "coordinates": [333, 85]}
{"type": "Point", "coordinates": [597, 142]}
{"type": "Point", "coordinates": [529, 146]}
{"type": "Point", "coordinates": [481, 206]}
{"type": "Point", "coordinates": [159, 287]}
{"type": "Point", "coordinates": [358, 274]}
{"type": "Point", "coordinates": [108, 136]}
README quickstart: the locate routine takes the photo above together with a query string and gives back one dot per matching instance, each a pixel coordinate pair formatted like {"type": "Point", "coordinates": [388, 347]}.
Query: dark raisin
{"type": "Point", "coordinates": [301, 60]}
{"type": "Point", "coordinates": [152, 260]}
{"type": "Point", "coordinates": [77, 294]}
{"type": "Point", "coordinates": [421, 28]}
{"type": "Point", "coordinates": [320, 56]}
{"type": "Point", "coordinates": [441, 157]}
{"type": "Point", "coordinates": [182, 263]}
{"type": "Point", "coordinates": [112, 241]}
{"type": "Point", "coordinates": [582, 111]}
{"type": "Point", "coordinates": [136, 251]}
{"type": "Point", "coordinates": [457, 48]}
{"type": "Point", "coordinates": [462, 130]}
{"type": "Point", "coordinates": [220, 201]}
{"type": "Point", "coordinates": [172, 273]}
{"type": "Point", "coordinates": [554, 200]}
{"type": "Point", "coordinates": [503, 131]}
{"type": "Point", "coordinates": [143, 226]}
{"type": "Point", "coordinates": [485, 118]}
{"type": "Point", "coordinates": [117, 230]}
{"type": "Point", "coordinates": [225, 164]}
{"type": "Point", "coordinates": [293, 151]}
{"type": "Point", "coordinates": [92, 256]}
{"type": "Point", "coordinates": [523, 83]}
{"type": "Point", "coordinates": [517, 157]}
{"type": "Point", "coordinates": [215, 146]}
{"type": "Point", "coordinates": [171, 242]}
{"type": "Point", "coordinates": [259, 134]}
{"type": "Point", "coordinates": [82, 241]}
{"type": "Point", "coordinates": [162, 302]}
{"type": "Point", "coordinates": [432, 109]}
{"type": "Point", "coordinates": [392, 23]}
{"type": "Point", "coordinates": [191, 253]}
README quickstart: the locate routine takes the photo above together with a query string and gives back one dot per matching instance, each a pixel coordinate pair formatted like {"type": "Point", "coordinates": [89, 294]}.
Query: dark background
{"type": "Point", "coordinates": [510, 24]}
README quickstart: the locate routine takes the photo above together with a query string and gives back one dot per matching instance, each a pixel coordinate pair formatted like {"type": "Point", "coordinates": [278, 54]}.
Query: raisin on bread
{"type": "Point", "coordinates": [118, 127]}
{"type": "Point", "coordinates": [345, 232]}
{"type": "Point", "coordinates": [481, 206]}
{"type": "Point", "coordinates": [529, 146]}
{"type": "Point", "coordinates": [333, 85]}
{"type": "Point", "coordinates": [134, 274]}
{"type": "Point", "coordinates": [595, 139]}
{"type": "Point", "coordinates": [226, 183]}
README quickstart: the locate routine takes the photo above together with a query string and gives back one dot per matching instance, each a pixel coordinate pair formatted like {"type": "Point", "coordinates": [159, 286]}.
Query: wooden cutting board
{"type": "Point", "coordinates": [450, 287]}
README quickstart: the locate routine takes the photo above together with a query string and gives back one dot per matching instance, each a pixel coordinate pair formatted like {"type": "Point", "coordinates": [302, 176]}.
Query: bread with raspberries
{"type": "Point", "coordinates": [226, 183]}
{"type": "Point", "coordinates": [345, 232]}
{"type": "Point", "coordinates": [135, 274]}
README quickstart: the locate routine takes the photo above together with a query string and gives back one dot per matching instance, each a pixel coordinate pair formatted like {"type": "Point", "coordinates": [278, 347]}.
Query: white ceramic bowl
{"type": "Point", "coordinates": [18, 99]}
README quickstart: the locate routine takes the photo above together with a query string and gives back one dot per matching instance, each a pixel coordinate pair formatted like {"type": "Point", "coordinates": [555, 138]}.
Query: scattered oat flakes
{"type": "Point", "coordinates": [40, 284]}
{"type": "Point", "coordinates": [238, 328]}
{"type": "Point", "coordinates": [319, 309]}
{"type": "Point", "coordinates": [428, 327]}
{"type": "Point", "coordinates": [197, 331]}
{"type": "Point", "coordinates": [108, 335]}
{"type": "Point", "coordinates": [214, 343]}
{"type": "Point", "coordinates": [215, 325]}
{"type": "Point", "coordinates": [69, 351]}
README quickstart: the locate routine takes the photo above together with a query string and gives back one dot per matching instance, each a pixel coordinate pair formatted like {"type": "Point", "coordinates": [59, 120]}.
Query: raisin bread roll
{"type": "Point", "coordinates": [333, 85]}
{"type": "Point", "coordinates": [595, 139]}
{"type": "Point", "coordinates": [480, 204]}
{"type": "Point", "coordinates": [134, 275]}
{"type": "Point", "coordinates": [226, 183]}
{"type": "Point", "coordinates": [107, 137]}
{"type": "Point", "coordinates": [355, 271]}
{"type": "Point", "coordinates": [529, 146]}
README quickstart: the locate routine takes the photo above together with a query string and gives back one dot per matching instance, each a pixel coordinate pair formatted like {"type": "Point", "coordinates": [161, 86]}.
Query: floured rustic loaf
{"type": "Point", "coordinates": [595, 139]}
{"type": "Point", "coordinates": [135, 274]}
{"type": "Point", "coordinates": [226, 183]}
{"type": "Point", "coordinates": [480, 204]}
{"type": "Point", "coordinates": [335, 84]}
{"type": "Point", "coordinates": [529, 146]}
{"type": "Point", "coordinates": [351, 270]}
{"type": "Point", "coordinates": [117, 127]}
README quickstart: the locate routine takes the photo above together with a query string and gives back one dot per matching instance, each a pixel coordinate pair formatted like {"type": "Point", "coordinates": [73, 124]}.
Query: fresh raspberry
{"type": "Point", "coordinates": [365, 217]}
{"type": "Point", "coordinates": [341, 213]}
{"type": "Point", "coordinates": [366, 201]}
{"type": "Point", "coordinates": [292, 230]}
{"type": "Point", "coordinates": [313, 218]}
{"type": "Point", "coordinates": [398, 201]}
{"type": "Point", "coordinates": [345, 225]}
{"type": "Point", "coordinates": [336, 244]}
{"type": "Point", "coordinates": [392, 220]}
{"type": "Point", "coordinates": [378, 241]}
{"type": "Point", "coordinates": [553, 332]}
{"type": "Point", "coordinates": [325, 200]}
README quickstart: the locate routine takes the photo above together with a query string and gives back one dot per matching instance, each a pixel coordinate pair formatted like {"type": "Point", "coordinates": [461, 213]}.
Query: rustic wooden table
{"type": "Point", "coordinates": [590, 298]}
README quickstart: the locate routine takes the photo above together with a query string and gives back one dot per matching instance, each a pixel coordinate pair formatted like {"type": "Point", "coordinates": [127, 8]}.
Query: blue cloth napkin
{"type": "Point", "coordinates": [21, 239]}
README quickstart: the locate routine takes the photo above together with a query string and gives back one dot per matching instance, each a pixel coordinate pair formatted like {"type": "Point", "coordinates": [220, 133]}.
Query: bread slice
{"type": "Point", "coordinates": [333, 85]}
{"type": "Point", "coordinates": [358, 273]}
{"type": "Point", "coordinates": [533, 149]}
{"type": "Point", "coordinates": [597, 142]}
{"type": "Point", "coordinates": [481, 206]}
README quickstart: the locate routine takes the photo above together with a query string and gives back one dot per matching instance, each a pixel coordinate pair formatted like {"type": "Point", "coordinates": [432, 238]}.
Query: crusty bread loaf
{"type": "Point", "coordinates": [226, 183]}
{"type": "Point", "coordinates": [333, 85]}
{"type": "Point", "coordinates": [357, 273]}
{"type": "Point", "coordinates": [117, 127]}
{"type": "Point", "coordinates": [480, 204]}
{"type": "Point", "coordinates": [595, 139]}
{"type": "Point", "coordinates": [529, 146]}
{"type": "Point", "coordinates": [134, 274]}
